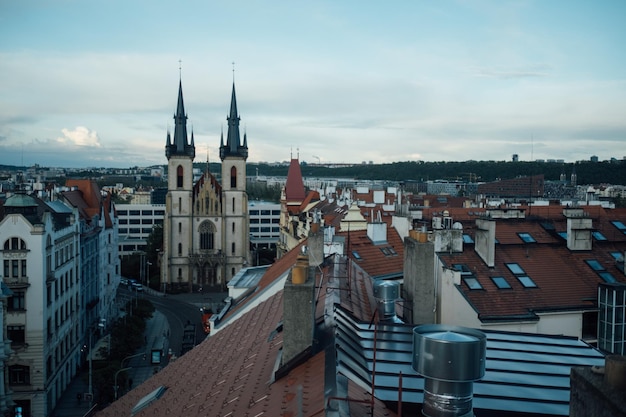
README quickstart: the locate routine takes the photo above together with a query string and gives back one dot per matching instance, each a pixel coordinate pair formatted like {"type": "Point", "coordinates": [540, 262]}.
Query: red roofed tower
{"type": "Point", "coordinates": [291, 199]}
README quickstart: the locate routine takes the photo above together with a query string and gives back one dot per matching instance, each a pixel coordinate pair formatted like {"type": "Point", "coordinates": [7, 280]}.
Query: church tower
{"type": "Point", "coordinates": [177, 241]}
{"type": "Point", "coordinates": [236, 237]}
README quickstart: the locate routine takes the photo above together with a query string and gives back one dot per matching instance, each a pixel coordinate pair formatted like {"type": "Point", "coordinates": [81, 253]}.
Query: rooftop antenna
{"type": "Point", "coordinates": [207, 159]}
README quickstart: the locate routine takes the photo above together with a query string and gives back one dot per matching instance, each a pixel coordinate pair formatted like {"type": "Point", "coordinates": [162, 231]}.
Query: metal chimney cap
{"type": "Point", "coordinates": [449, 353]}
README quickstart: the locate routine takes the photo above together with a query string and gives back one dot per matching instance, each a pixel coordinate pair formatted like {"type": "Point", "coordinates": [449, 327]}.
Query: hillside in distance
{"type": "Point", "coordinates": [606, 172]}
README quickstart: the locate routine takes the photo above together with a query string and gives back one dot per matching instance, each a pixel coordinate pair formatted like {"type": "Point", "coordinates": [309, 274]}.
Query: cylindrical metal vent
{"type": "Point", "coordinates": [386, 294]}
{"type": "Point", "coordinates": [450, 358]}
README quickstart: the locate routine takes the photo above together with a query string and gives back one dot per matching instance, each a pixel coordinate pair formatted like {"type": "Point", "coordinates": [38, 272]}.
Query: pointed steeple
{"type": "Point", "coordinates": [180, 146]}
{"type": "Point", "coordinates": [233, 145]}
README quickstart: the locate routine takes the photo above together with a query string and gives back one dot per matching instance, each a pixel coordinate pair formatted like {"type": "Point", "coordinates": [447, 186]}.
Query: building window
{"type": "Point", "coordinates": [16, 334]}
{"type": "Point", "coordinates": [14, 243]}
{"type": "Point", "coordinates": [179, 177]}
{"type": "Point", "coordinates": [232, 248]}
{"type": "Point", "coordinates": [233, 204]}
{"type": "Point", "coordinates": [233, 227]}
{"type": "Point", "coordinates": [180, 227]}
{"type": "Point", "coordinates": [207, 235]}
{"type": "Point", "coordinates": [19, 375]}
{"type": "Point", "coordinates": [233, 177]}
{"type": "Point", "coordinates": [17, 301]}
{"type": "Point", "coordinates": [180, 249]}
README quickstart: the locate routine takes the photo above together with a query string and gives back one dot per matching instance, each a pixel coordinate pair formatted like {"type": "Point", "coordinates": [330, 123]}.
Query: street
{"type": "Point", "coordinates": [165, 328]}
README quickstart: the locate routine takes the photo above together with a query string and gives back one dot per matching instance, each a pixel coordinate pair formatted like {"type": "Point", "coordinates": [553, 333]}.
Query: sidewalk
{"type": "Point", "coordinates": [157, 330]}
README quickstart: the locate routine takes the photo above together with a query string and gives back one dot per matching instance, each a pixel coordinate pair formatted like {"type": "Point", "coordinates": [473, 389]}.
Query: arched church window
{"type": "Point", "coordinates": [233, 177]}
{"type": "Point", "coordinates": [207, 235]}
{"type": "Point", "coordinates": [179, 176]}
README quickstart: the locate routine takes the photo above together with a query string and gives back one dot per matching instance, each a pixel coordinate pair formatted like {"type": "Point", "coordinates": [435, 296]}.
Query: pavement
{"type": "Point", "coordinates": [155, 336]}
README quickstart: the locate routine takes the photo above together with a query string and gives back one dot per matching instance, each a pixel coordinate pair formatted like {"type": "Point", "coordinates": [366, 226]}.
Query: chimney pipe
{"type": "Point", "coordinates": [386, 294]}
{"type": "Point", "coordinates": [450, 358]}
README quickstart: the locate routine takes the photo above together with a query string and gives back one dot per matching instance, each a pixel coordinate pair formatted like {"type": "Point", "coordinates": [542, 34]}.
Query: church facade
{"type": "Point", "coordinates": [206, 228]}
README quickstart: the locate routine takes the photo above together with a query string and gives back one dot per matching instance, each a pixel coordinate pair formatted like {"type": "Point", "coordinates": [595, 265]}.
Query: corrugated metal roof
{"type": "Point", "coordinates": [524, 372]}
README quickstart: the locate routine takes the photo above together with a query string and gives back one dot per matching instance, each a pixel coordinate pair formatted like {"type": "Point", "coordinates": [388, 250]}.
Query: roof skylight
{"type": "Point", "coordinates": [607, 277]}
{"type": "Point", "coordinates": [619, 225]}
{"type": "Point", "coordinates": [598, 236]}
{"type": "Point", "coordinates": [526, 281]}
{"type": "Point", "coordinates": [472, 283]}
{"type": "Point", "coordinates": [595, 265]}
{"type": "Point", "coordinates": [501, 283]}
{"type": "Point", "coordinates": [526, 237]}
{"type": "Point", "coordinates": [467, 238]}
{"type": "Point", "coordinates": [516, 269]}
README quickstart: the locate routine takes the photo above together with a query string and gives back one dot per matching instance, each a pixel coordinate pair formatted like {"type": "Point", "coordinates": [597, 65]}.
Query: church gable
{"type": "Point", "coordinates": [207, 196]}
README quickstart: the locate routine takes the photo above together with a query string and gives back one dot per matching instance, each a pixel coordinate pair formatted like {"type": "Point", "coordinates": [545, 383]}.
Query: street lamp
{"type": "Point", "coordinates": [147, 283]}
{"type": "Point", "coordinates": [117, 373]}
{"type": "Point", "coordinates": [125, 369]}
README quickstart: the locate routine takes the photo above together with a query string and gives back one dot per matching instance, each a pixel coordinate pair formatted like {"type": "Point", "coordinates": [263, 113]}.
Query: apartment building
{"type": "Point", "coordinates": [41, 266]}
{"type": "Point", "coordinates": [135, 225]}
{"type": "Point", "coordinates": [264, 224]}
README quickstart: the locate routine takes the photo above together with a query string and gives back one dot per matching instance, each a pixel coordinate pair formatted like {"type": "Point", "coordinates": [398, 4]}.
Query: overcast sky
{"type": "Point", "coordinates": [88, 83]}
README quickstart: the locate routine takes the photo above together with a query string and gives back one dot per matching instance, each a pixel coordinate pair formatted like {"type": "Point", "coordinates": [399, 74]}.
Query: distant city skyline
{"type": "Point", "coordinates": [95, 85]}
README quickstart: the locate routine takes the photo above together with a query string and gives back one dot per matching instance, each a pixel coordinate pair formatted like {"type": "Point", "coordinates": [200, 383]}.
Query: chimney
{"type": "Point", "coordinates": [579, 228]}
{"type": "Point", "coordinates": [315, 242]}
{"type": "Point", "coordinates": [298, 309]}
{"type": "Point", "coordinates": [450, 358]}
{"type": "Point", "coordinates": [386, 294]}
{"type": "Point", "coordinates": [485, 240]}
{"type": "Point", "coordinates": [419, 278]}
{"type": "Point", "coordinates": [377, 230]}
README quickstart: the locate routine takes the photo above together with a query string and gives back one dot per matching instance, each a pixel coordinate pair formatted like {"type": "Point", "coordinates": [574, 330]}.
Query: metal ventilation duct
{"type": "Point", "coordinates": [386, 294]}
{"type": "Point", "coordinates": [450, 358]}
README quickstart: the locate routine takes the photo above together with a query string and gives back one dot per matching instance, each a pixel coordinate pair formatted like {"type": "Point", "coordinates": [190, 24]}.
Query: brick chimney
{"type": "Point", "coordinates": [485, 240]}
{"type": "Point", "coordinates": [419, 279]}
{"type": "Point", "coordinates": [579, 228]}
{"type": "Point", "coordinates": [298, 308]}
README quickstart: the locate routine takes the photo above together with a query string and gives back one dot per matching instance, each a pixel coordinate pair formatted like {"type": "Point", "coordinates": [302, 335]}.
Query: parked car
{"type": "Point", "coordinates": [136, 286]}
{"type": "Point", "coordinates": [123, 281]}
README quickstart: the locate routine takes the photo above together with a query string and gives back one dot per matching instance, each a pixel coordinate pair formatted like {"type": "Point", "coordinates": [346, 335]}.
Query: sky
{"type": "Point", "coordinates": [88, 83]}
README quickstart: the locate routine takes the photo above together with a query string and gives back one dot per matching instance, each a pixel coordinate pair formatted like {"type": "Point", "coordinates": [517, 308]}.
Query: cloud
{"type": "Point", "coordinates": [80, 136]}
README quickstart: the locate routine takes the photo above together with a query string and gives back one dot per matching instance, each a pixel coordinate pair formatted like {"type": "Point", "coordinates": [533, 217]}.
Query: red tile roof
{"type": "Point", "coordinates": [90, 194]}
{"type": "Point", "coordinates": [372, 258]}
{"type": "Point", "coordinates": [564, 280]}
{"type": "Point", "coordinates": [231, 373]}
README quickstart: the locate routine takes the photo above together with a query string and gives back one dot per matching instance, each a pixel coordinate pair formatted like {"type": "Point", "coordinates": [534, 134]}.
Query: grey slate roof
{"type": "Point", "coordinates": [527, 373]}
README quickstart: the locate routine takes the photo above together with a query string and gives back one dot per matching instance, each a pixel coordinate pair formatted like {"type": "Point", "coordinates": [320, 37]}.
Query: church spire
{"type": "Point", "coordinates": [180, 146]}
{"type": "Point", "coordinates": [233, 145]}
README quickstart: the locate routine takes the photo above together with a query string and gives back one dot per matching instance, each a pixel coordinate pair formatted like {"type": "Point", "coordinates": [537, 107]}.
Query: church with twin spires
{"type": "Point", "coordinates": [206, 237]}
